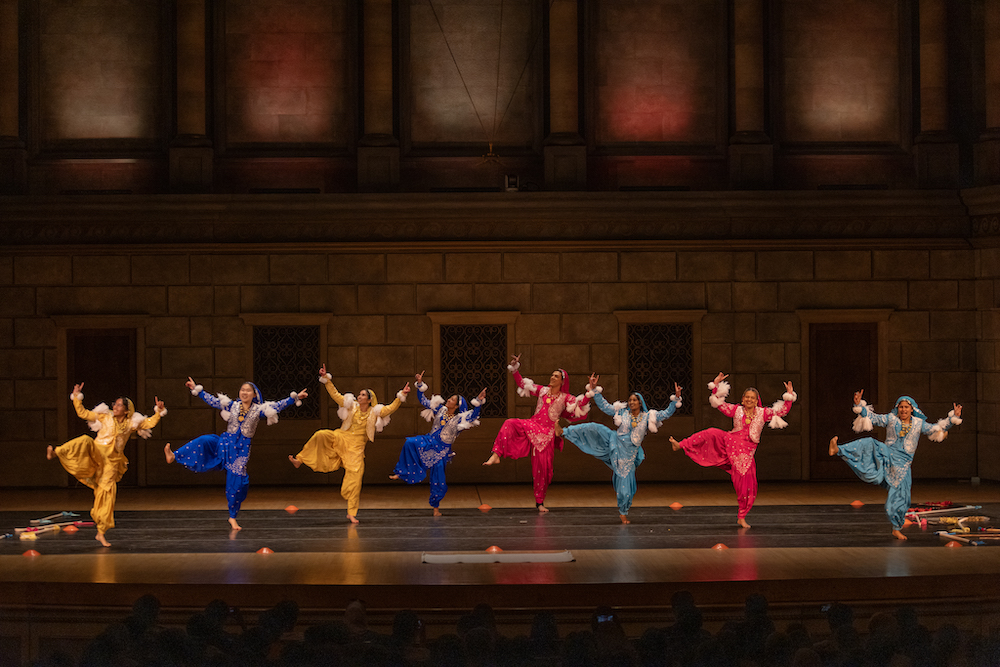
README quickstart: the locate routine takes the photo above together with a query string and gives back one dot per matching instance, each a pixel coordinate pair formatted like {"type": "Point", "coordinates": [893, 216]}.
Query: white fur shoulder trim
{"type": "Point", "coordinates": [224, 400]}
{"type": "Point", "coordinates": [271, 412]}
{"type": "Point", "coordinates": [528, 389]}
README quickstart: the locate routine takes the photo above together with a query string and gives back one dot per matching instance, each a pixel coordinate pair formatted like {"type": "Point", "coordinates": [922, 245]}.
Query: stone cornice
{"type": "Point", "coordinates": [482, 217]}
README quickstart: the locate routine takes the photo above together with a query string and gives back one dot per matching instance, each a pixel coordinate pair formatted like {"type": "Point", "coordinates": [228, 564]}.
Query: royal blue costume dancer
{"type": "Point", "coordinates": [428, 454]}
{"type": "Point", "coordinates": [621, 450]}
{"type": "Point", "coordinates": [231, 450]}
{"type": "Point", "coordinates": [887, 464]}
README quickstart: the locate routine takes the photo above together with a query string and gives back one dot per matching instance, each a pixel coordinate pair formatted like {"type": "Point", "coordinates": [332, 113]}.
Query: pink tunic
{"type": "Point", "coordinates": [734, 451]}
{"type": "Point", "coordinates": [536, 436]}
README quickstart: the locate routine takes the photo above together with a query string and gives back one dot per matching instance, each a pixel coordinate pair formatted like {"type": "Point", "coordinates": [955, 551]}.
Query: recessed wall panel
{"type": "Point", "coordinates": [286, 71]}
{"type": "Point", "coordinates": [841, 71]}
{"type": "Point", "coordinates": [657, 71]}
{"type": "Point", "coordinates": [473, 69]}
{"type": "Point", "coordinates": [99, 70]}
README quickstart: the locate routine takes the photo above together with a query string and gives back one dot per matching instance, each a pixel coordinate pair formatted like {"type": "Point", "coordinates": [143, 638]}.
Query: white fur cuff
{"type": "Point", "coordinates": [78, 396]}
{"type": "Point", "coordinates": [790, 396]}
{"type": "Point", "coordinates": [954, 420]}
{"type": "Point", "coordinates": [161, 412]}
{"type": "Point", "coordinates": [401, 396]}
{"type": "Point", "coordinates": [476, 402]}
{"type": "Point", "coordinates": [513, 367]}
{"type": "Point", "coordinates": [197, 390]}
{"type": "Point", "coordinates": [420, 386]}
{"type": "Point", "coordinates": [295, 395]}
{"type": "Point", "coordinates": [591, 391]}
{"type": "Point", "coordinates": [325, 378]}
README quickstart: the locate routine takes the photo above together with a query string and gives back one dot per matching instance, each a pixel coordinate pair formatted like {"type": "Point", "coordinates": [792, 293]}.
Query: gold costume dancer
{"type": "Point", "coordinates": [99, 462]}
{"type": "Point", "coordinates": [327, 450]}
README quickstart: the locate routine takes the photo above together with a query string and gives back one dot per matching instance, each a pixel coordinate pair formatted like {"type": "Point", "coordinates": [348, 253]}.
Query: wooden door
{"type": "Point", "coordinates": [843, 358]}
{"type": "Point", "coordinates": [103, 359]}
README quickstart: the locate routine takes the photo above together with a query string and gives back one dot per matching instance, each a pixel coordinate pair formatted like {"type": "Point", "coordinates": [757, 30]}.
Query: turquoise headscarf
{"type": "Point", "coordinates": [913, 403]}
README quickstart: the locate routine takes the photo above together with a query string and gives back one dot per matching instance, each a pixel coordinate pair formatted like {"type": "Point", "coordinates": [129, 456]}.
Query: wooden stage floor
{"type": "Point", "coordinates": [807, 546]}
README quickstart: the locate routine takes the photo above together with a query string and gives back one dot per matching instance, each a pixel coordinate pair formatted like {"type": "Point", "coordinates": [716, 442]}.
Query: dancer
{"type": "Point", "coordinates": [231, 450]}
{"type": "Point", "coordinates": [99, 462]}
{"type": "Point", "coordinates": [733, 451]}
{"type": "Point", "coordinates": [432, 452]}
{"type": "Point", "coordinates": [327, 450]}
{"type": "Point", "coordinates": [887, 464]}
{"type": "Point", "coordinates": [621, 450]}
{"type": "Point", "coordinates": [536, 436]}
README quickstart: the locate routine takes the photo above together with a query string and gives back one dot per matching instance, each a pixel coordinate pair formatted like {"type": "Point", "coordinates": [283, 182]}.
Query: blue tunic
{"type": "Point", "coordinates": [887, 464]}
{"type": "Point", "coordinates": [231, 450]}
{"type": "Point", "coordinates": [620, 450]}
{"type": "Point", "coordinates": [430, 453]}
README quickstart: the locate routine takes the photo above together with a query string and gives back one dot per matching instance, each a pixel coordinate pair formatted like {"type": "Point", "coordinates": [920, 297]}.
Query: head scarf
{"type": "Point", "coordinates": [916, 409]}
{"type": "Point", "coordinates": [564, 388]}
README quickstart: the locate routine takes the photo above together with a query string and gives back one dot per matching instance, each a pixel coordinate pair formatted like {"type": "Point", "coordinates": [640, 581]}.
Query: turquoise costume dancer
{"type": "Point", "coordinates": [621, 450]}
{"type": "Point", "coordinates": [887, 464]}
{"type": "Point", "coordinates": [430, 453]}
{"type": "Point", "coordinates": [231, 450]}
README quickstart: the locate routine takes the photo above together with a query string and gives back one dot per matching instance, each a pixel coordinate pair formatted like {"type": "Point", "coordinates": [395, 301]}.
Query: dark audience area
{"type": "Point", "coordinates": [220, 636]}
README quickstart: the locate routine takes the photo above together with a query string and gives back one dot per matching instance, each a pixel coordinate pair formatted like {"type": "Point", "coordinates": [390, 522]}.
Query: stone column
{"type": "Point", "coordinates": [751, 152]}
{"type": "Point", "coordinates": [378, 149]}
{"type": "Point", "coordinates": [13, 154]}
{"type": "Point", "coordinates": [935, 149]}
{"type": "Point", "coordinates": [191, 152]}
{"type": "Point", "coordinates": [987, 149]}
{"type": "Point", "coordinates": [565, 149]}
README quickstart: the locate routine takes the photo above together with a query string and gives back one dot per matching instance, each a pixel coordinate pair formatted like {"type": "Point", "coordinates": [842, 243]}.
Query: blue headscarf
{"type": "Point", "coordinates": [913, 403]}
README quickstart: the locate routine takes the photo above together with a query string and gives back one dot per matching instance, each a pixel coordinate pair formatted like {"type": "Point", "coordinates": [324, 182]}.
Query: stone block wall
{"type": "Point", "coordinates": [943, 335]}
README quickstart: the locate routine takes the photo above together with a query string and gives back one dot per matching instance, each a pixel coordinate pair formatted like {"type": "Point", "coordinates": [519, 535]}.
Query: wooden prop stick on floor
{"type": "Point", "coordinates": [48, 519]}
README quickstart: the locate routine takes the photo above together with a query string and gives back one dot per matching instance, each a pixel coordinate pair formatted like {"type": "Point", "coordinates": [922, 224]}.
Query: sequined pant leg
{"type": "Point", "coordinates": [541, 471]}
{"type": "Point", "coordinates": [439, 486]}
{"type": "Point", "coordinates": [237, 487]}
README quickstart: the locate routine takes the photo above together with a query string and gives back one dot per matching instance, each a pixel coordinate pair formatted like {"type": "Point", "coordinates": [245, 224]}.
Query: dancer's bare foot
{"type": "Point", "coordinates": [673, 443]}
{"type": "Point", "coordinates": [353, 519]}
{"type": "Point", "coordinates": [50, 453]}
{"type": "Point", "coordinates": [493, 460]}
{"type": "Point", "coordinates": [393, 476]}
{"type": "Point", "coordinates": [542, 509]}
{"type": "Point", "coordinates": [104, 543]}
{"type": "Point", "coordinates": [743, 523]}
{"type": "Point", "coordinates": [833, 446]}
{"type": "Point", "coordinates": [236, 526]}
{"type": "Point", "coordinates": [624, 518]}
{"type": "Point", "coordinates": [169, 454]}
{"type": "Point", "coordinates": [295, 461]}
{"type": "Point", "coordinates": [437, 512]}
{"type": "Point", "coordinates": [898, 535]}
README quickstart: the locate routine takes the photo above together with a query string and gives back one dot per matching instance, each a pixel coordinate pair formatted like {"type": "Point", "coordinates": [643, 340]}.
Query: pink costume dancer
{"type": "Point", "coordinates": [734, 451]}
{"type": "Point", "coordinates": [536, 436]}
